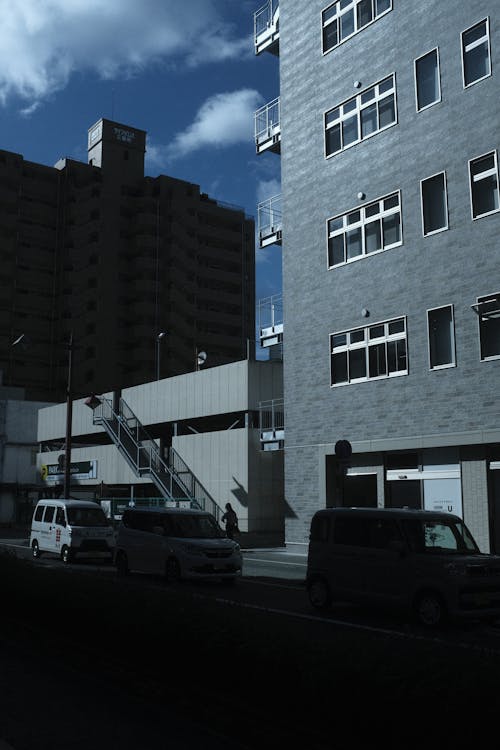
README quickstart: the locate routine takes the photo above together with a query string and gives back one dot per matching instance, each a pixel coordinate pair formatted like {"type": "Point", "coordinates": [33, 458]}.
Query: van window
{"type": "Point", "coordinates": [87, 517]}
{"type": "Point", "coordinates": [352, 532]}
{"type": "Point", "coordinates": [196, 527]}
{"type": "Point", "coordinates": [319, 528]}
{"type": "Point", "coordinates": [60, 517]}
{"type": "Point", "coordinates": [382, 532]}
{"type": "Point", "coordinates": [49, 514]}
{"type": "Point", "coordinates": [39, 512]}
{"type": "Point", "coordinates": [439, 536]}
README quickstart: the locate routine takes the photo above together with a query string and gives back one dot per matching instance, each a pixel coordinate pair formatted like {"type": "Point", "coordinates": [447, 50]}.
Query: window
{"type": "Point", "coordinates": [39, 512]}
{"type": "Point", "coordinates": [427, 83]}
{"type": "Point", "coordinates": [483, 173]}
{"type": "Point", "coordinates": [365, 230]}
{"type": "Point", "coordinates": [488, 309]}
{"type": "Point", "coordinates": [440, 326]}
{"type": "Point", "coordinates": [366, 114]}
{"type": "Point", "coordinates": [377, 351]}
{"type": "Point", "coordinates": [476, 60]}
{"type": "Point", "coordinates": [346, 17]}
{"type": "Point", "coordinates": [49, 514]}
{"type": "Point", "coordinates": [434, 204]}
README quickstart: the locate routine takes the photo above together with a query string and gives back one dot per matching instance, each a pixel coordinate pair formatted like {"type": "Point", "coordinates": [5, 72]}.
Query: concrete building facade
{"type": "Point", "coordinates": [211, 420]}
{"type": "Point", "coordinates": [391, 218]}
{"type": "Point", "coordinates": [100, 251]}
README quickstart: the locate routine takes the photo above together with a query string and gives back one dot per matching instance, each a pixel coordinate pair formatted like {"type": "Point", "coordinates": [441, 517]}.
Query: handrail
{"type": "Point", "coordinates": [173, 478]}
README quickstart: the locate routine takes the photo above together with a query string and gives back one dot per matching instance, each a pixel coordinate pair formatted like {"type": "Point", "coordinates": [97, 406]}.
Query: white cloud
{"type": "Point", "coordinates": [268, 189]}
{"type": "Point", "coordinates": [222, 120]}
{"type": "Point", "coordinates": [42, 42]}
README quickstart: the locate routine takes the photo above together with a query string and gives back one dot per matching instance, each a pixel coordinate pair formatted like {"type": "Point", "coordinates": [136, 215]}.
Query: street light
{"type": "Point", "coordinates": [161, 335]}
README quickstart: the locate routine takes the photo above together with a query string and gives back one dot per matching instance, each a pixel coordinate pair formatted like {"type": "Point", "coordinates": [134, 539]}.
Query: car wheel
{"type": "Point", "coordinates": [430, 609]}
{"type": "Point", "coordinates": [35, 549]}
{"type": "Point", "coordinates": [66, 555]}
{"type": "Point", "coordinates": [172, 570]}
{"type": "Point", "coordinates": [122, 564]}
{"type": "Point", "coordinates": [319, 593]}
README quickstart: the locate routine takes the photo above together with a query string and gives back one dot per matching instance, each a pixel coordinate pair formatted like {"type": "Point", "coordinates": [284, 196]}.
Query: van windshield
{"type": "Point", "coordinates": [86, 517]}
{"type": "Point", "coordinates": [446, 537]}
{"type": "Point", "coordinates": [196, 527]}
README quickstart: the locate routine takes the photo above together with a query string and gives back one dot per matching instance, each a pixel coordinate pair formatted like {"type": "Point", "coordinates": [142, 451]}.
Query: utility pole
{"type": "Point", "coordinates": [69, 420]}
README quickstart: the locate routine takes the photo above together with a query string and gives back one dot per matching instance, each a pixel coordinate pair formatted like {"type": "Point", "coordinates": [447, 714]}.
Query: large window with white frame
{"type": "Point", "coordinates": [476, 53]}
{"type": "Point", "coordinates": [484, 189]}
{"type": "Point", "coordinates": [365, 230]}
{"type": "Point", "coordinates": [356, 119]}
{"type": "Point", "coordinates": [434, 204]}
{"type": "Point", "coordinates": [488, 309]}
{"type": "Point", "coordinates": [369, 353]}
{"type": "Point", "coordinates": [441, 331]}
{"type": "Point", "coordinates": [344, 18]}
{"type": "Point", "coordinates": [427, 81]}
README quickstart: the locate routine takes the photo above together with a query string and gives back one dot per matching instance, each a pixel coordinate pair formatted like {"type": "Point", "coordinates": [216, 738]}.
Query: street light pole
{"type": "Point", "coordinates": [69, 420]}
{"type": "Point", "coordinates": [158, 341]}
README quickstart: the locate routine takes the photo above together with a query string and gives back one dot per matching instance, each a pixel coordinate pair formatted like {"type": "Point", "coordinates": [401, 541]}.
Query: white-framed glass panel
{"type": "Point", "coordinates": [427, 80]}
{"type": "Point", "coordinates": [441, 331]}
{"type": "Point", "coordinates": [434, 204]}
{"type": "Point", "coordinates": [476, 53]}
{"type": "Point", "coordinates": [365, 230]}
{"type": "Point", "coordinates": [344, 18]}
{"type": "Point", "coordinates": [489, 326]}
{"type": "Point", "coordinates": [368, 353]}
{"type": "Point", "coordinates": [484, 189]}
{"type": "Point", "coordinates": [360, 117]}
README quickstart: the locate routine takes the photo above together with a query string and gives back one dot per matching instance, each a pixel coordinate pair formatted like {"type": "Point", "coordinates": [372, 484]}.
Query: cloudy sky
{"type": "Point", "coordinates": [183, 71]}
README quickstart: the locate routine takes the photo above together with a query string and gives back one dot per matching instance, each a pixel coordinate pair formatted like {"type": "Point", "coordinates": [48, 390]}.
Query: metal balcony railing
{"type": "Point", "coordinates": [272, 424]}
{"type": "Point", "coordinates": [269, 221]}
{"type": "Point", "coordinates": [266, 28]}
{"type": "Point", "coordinates": [270, 316]}
{"type": "Point", "coordinates": [268, 127]}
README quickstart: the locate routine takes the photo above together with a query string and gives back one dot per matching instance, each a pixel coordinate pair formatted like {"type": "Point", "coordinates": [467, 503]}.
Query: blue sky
{"type": "Point", "coordinates": [185, 72]}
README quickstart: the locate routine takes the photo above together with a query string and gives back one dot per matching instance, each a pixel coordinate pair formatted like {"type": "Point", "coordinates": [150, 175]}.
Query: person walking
{"type": "Point", "coordinates": [231, 520]}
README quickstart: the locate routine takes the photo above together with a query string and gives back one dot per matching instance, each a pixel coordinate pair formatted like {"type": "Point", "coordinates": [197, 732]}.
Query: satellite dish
{"type": "Point", "coordinates": [202, 358]}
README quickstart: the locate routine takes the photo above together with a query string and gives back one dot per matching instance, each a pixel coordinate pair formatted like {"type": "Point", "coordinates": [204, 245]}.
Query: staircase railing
{"type": "Point", "coordinates": [174, 479]}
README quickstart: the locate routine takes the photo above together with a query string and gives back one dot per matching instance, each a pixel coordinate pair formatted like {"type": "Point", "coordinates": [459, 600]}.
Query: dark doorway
{"type": "Point", "coordinates": [495, 511]}
{"type": "Point", "coordinates": [360, 491]}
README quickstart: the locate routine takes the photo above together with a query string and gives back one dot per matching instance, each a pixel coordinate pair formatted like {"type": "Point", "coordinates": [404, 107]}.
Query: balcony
{"type": "Point", "coordinates": [272, 424]}
{"type": "Point", "coordinates": [267, 28]}
{"type": "Point", "coordinates": [269, 221]}
{"type": "Point", "coordinates": [268, 128]}
{"type": "Point", "coordinates": [270, 318]}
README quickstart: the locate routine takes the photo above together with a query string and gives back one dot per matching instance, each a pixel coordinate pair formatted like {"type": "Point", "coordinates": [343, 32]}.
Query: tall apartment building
{"type": "Point", "coordinates": [389, 137]}
{"type": "Point", "coordinates": [116, 258]}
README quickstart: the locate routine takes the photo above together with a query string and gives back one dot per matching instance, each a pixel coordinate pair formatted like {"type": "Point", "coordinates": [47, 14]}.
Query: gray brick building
{"type": "Point", "coordinates": [389, 143]}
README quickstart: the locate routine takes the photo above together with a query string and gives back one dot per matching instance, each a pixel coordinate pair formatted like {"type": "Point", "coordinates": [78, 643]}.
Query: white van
{"type": "Point", "coordinates": [69, 528]}
{"type": "Point", "coordinates": [177, 544]}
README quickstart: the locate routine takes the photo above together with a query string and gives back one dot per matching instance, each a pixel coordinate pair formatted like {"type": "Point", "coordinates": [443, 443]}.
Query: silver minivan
{"type": "Point", "coordinates": [176, 543]}
{"type": "Point", "coordinates": [426, 563]}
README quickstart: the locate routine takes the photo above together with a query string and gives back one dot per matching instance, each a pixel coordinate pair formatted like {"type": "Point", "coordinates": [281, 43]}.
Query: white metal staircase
{"type": "Point", "coordinates": [173, 477]}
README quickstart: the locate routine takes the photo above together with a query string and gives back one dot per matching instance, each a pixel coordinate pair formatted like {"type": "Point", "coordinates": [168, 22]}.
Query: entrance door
{"type": "Point", "coordinates": [495, 510]}
{"type": "Point", "coordinates": [360, 491]}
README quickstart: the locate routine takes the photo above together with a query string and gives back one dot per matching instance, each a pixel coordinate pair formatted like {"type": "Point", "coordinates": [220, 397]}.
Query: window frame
{"type": "Point", "coordinates": [365, 345]}
{"type": "Point", "coordinates": [480, 300]}
{"type": "Point", "coordinates": [438, 61]}
{"type": "Point", "coordinates": [422, 214]}
{"type": "Point", "coordinates": [357, 109]}
{"type": "Point", "coordinates": [363, 222]}
{"type": "Point", "coordinates": [463, 50]}
{"type": "Point", "coordinates": [470, 162]}
{"type": "Point", "coordinates": [453, 363]}
{"type": "Point", "coordinates": [354, 4]}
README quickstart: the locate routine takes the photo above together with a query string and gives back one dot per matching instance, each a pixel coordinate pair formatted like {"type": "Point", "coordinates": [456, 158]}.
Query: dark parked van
{"type": "Point", "coordinates": [426, 563]}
